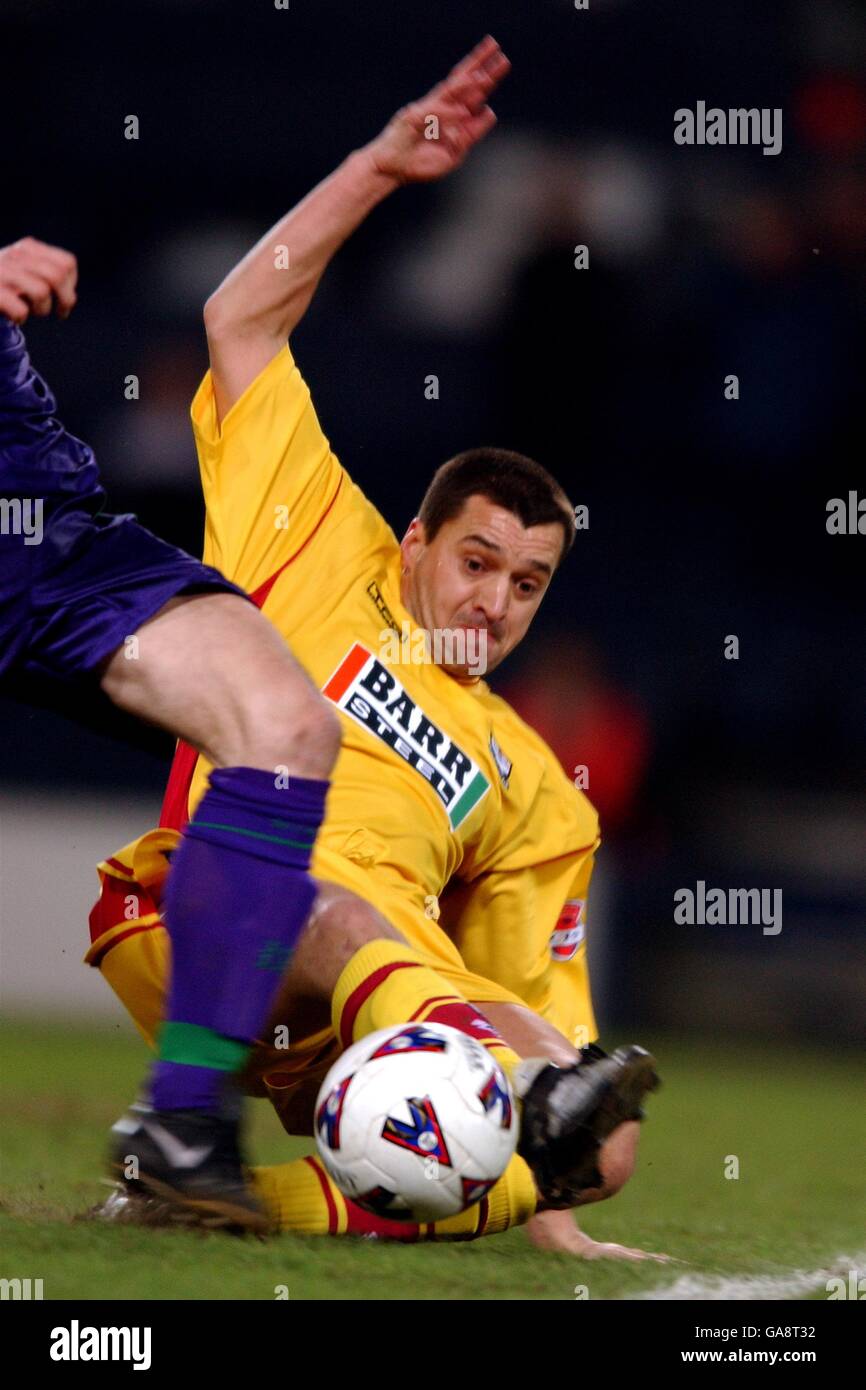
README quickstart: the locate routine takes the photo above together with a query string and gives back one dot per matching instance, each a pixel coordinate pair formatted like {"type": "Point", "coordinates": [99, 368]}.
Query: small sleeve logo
{"type": "Point", "coordinates": [569, 930]}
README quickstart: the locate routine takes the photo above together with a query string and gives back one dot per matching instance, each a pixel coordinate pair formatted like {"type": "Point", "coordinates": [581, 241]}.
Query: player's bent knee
{"type": "Point", "coordinates": [284, 726]}
{"type": "Point", "coordinates": [349, 923]}
{"type": "Point", "coordinates": [339, 926]}
{"type": "Point", "coordinates": [360, 924]}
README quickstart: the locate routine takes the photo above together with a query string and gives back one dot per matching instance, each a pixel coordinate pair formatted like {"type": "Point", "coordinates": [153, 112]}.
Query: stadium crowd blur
{"type": "Point", "coordinates": [706, 515]}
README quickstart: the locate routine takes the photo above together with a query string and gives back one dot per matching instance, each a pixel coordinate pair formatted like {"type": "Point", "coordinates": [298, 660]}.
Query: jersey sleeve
{"type": "Point", "coordinates": [268, 473]}
{"type": "Point", "coordinates": [521, 921]}
{"type": "Point", "coordinates": [525, 929]}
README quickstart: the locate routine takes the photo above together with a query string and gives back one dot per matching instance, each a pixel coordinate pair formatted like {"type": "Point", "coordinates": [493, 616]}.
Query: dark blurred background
{"type": "Point", "coordinates": [707, 516]}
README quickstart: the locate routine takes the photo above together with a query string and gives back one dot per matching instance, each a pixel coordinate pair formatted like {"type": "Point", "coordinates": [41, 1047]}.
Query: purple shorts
{"type": "Point", "coordinates": [74, 582]}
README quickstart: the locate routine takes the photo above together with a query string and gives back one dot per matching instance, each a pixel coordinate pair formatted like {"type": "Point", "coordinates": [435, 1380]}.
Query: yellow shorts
{"type": "Point", "coordinates": [131, 947]}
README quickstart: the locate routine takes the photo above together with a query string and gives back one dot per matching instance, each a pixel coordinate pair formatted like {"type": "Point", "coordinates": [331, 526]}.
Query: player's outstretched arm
{"type": "Point", "coordinates": [249, 318]}
{"type": "Point", "coordinates": [34, 278]}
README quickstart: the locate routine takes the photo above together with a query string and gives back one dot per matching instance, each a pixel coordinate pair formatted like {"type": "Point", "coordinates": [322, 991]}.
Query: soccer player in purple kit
{"type": "Point", "coordinates": [209, 667]}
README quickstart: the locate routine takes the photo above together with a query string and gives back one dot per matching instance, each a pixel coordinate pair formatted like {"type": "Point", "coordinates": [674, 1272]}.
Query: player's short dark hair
{"type": "Point", "coordinates": [510, 480]}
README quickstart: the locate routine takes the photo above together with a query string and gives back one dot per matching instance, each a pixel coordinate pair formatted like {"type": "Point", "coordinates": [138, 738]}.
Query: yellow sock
{"type": "Point", "coordinates": [510, 1202]}
{"type": "Point", "coordinates": [387, 983]}
{"type": "Point", "coordinates": [300, 1197]}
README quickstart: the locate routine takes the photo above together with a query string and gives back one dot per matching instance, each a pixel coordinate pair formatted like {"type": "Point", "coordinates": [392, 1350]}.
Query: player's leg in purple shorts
{"type": "Point", "coordinates": [207, 666]}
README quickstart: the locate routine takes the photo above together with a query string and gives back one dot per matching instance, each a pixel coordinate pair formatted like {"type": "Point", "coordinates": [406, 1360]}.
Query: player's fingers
{"type": "Point", "coordinates": [475, 58]}
{"type": "Point", "coordinates": [470, 69]}
{"type": "Point", "coordinates": [13, 306]}
{"type": "Point", "coordinates": [58, 267]}
{"type": "Point", "coordinates": [444, 109]}
{"type": "Point", "coordinates": [463, 131]}
{"type": "Point", "coordinates": [62, 278]}
{"type": "Point", "coordinates": [627, 1252]}
{"type": "Point", "coordinates": [474, 99]}
{"type": "Point", "coordinates": [456, 115]}
{"type": "Point", "coordinates": [477, 81]}
{"type": "Point", "coordinates": [36, 289]}
{"type": "Point", "coordinates": [45, 252]}
{"type": "Point", "coordinates": [485, 77]}
{"type": "Point", "coordinates": [496, 71]}
{"type": "Point", "coordinates": [478, 126]}
{"type": "Point", "coordinates": [471, 94]}
{"type": "Point", "coordinates": [65, 295]}
{"type": "Point", "coordinates": [61, 272]}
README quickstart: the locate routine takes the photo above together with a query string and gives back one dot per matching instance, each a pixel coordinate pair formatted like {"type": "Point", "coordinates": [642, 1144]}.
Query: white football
{"type": "Point", "coordinates": [416, 1122]}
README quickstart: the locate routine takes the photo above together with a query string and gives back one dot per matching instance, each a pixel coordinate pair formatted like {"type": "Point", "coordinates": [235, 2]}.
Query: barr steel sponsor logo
{"type": "Point", "coordinates": [371, 695]}
{"type": "Point", "coordinates": [569, 930]}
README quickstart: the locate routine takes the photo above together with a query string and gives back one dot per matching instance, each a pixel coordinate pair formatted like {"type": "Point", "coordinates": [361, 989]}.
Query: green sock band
{"type": "Point", "coordinates": [194, 1046]}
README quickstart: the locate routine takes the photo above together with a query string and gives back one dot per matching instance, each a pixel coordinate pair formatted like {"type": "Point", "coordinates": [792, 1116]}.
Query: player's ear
{"type": "Point", "coordinates": [412, 543]}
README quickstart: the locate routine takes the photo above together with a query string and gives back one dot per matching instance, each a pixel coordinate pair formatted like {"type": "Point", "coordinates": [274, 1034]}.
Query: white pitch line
{"type": "Point", "coordinates": [762, 1288]}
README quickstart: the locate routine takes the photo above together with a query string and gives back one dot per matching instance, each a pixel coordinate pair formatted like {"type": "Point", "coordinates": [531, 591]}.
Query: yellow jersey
{"type": "Point", "coordinates": [446, 811]}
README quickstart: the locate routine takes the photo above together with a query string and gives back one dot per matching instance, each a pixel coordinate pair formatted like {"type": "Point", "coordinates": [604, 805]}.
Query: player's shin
{"type": "Point", "coordinates": [238, 896]}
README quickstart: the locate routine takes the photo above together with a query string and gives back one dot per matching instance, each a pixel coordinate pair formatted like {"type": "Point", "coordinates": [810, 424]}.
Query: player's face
{"type": "Point", "coordinates": [480, 580]}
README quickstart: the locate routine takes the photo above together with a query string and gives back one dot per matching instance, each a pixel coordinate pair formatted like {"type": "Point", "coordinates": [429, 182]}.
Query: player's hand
{"type": "Point", "coordinates": [556, 1230]}
{"type": "Point", "coordinates": [416, 148]}
{"type": "Point", "coordinates": [36, 277]}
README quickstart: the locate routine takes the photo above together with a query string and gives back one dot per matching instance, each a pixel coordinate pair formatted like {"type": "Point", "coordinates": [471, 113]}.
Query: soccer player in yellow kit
{"type": "Point", "coordinates": [448, 818]}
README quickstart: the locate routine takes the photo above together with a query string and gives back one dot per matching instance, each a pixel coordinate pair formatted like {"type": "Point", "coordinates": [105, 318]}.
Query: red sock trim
{"type": "Point", "coordinates": [438, 999]}
{"type": "Point", "coordinates": [458, 1014]}
{"type": "Point", "coordinates": [483, 1216]}
{"type": "Point", "coordinates": [364, 1223]}
{"type": "Point", "coordinates": [359, 996]}
{"type": "Point", "coordinates": [333, 1216]}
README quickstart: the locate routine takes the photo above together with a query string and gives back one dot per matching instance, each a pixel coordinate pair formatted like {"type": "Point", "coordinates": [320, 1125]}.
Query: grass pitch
{"type": "Point", "coordinates": [794, 1120]}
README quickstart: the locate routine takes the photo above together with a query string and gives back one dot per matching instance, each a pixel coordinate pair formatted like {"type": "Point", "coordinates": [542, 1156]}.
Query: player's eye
{"type": "Point", "coordinates": [473, 564]}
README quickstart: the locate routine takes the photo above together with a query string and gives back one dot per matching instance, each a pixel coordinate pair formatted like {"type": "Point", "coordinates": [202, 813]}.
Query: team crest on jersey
{"type": "Point", "coordinates": [569, 930]}
{"type": "Point", "coordinates": [503, 764]}
{"type": "Point", "coordinates": [373, 696]}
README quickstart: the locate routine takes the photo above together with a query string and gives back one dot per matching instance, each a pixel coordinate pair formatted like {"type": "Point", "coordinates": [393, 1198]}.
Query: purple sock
{"type": "Point", "coordinates": [237, 898]}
